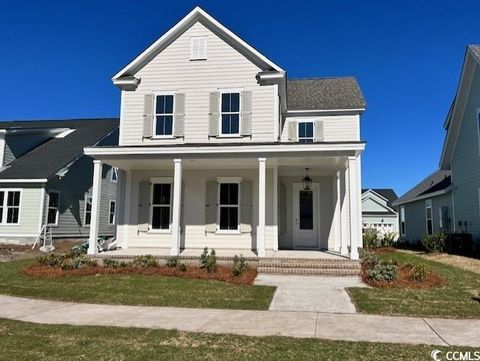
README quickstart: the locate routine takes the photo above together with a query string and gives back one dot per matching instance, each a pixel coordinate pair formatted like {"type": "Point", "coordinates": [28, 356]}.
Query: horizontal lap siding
{"type": "Point", "coordinates": [415, 221]}
{"type": "Point", "coordinates": [171, 70]}
{"type": "Point", "coordinates": [466, 164]}
{"type": "Point", "coordinates": [29, 212]}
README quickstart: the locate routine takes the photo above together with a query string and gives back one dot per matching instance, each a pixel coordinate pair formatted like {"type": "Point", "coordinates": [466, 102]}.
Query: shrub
{"type": "Point", "coordinates": [384, 271]}
{"type": "Point", "coordinates": [113, 263]}
{"type": "Point", "coordinates": [239, 265]}
{"type": "Point", "coordinates": [172, 261]}
{"type": "Point", "coordinates": [144, 261]}
{"type": "Point", "coordinates": [389, 239]}
{"type": "Point", "coordinates": [418, 273]}
{"type": "Point", "coordinates": [370, 238]}
{"type": "Point", "coordinates": [369, 259]}
{"type": "Point", "coordinates": [77, 262]}
{"type": "Point", "coordinates": [208, 261]}
{"type": "Point", "coordinates": [182, 267]}
{"type": "Point", "coordinates": [435, 243]}
{"type": "Point", "coordinates": [51, 260]}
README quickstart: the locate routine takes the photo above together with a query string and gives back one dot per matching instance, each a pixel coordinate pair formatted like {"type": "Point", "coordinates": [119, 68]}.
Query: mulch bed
{"type": "Point", "coordinates": [223, 273]}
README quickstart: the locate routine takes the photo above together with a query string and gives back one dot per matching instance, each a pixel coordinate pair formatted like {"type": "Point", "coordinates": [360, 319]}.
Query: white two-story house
{"type": "Point", "coordinates": [219, 149]}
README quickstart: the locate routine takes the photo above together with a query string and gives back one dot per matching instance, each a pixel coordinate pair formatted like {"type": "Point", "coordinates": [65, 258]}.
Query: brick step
{"type": "Point", "coordinates": [308, 260]}
{"type": "Point", "coordinates": [319, 264]}
{"type": "Point", "coordinates": [309, 271]}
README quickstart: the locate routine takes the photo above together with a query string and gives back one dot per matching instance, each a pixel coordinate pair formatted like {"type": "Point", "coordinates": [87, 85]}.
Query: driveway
{"type": "Point", "coordinates": [311, 293]}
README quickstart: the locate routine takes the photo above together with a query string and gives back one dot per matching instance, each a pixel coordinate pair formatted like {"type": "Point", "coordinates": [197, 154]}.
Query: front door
{"type": "Point", "coordinates": [305, 216]}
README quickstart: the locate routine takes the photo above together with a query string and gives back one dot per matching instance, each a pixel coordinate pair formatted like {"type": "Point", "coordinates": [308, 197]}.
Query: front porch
{"type": "Point", "coordinates": [251, 204]}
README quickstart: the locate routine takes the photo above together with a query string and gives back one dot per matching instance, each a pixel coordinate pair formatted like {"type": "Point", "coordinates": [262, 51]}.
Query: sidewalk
{"type": "Point", "coordinates": [348, 327]}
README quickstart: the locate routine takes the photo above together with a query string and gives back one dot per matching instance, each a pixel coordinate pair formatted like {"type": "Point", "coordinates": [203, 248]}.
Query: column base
{"type": "Point", "coordinates": [354, 254]}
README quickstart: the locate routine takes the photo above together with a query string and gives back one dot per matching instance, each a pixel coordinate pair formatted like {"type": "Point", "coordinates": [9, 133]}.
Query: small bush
{"type": "Point", "coordinates": [172, 262]}
{"type": "Point", "coordinates": [418, 273]}
{"type": "Point", "coordinates": [388, 239]}
{"type": "Point", "coordinates": [370, 238]}
{"type": "Point", "coordinates": [182, 267]}
{"type": "Point", "coordinates": [384, 271]}
{"type": "Point", "coordinates": [208, 261]}
{"type": "Point", "coordinates": [51, 260]}
{"type": "Point", "coordinates": [113, 263]}
{"type": "Point", "coordinates": [145, 261]}
{"type": "Point", "coordinates": [369, 259]}
{"type": "Point", "coordinates": [435, 243]}
{"type": "Point", "coordinates": [78, 262]}
{"type": "Point", "coordinates": [239, 265]}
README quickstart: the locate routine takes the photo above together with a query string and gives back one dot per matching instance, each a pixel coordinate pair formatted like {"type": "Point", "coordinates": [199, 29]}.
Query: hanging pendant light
{"type": "Point", "coordinates": [307, 181]}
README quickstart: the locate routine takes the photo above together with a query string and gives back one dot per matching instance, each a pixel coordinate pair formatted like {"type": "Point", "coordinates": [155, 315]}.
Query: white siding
{"type": "Point", "coordinates": [172, 70]}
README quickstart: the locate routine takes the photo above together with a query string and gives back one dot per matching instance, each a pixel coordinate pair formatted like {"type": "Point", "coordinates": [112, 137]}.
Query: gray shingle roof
{"type": "Point", "coordinates": [476, 50]}
{"type": "Point", "coordinates": [324, 94]}
{"type": "Point", "coordinates": [388, 193]}
{"type": "Point", "coordinates": [437, 181]}
{"type": "Point", "coordinates": [49, 157]}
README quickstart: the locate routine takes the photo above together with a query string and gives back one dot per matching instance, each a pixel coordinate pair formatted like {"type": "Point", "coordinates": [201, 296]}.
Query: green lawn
{"type": "Point", "coordinates": [27, 341]}
{"type": "Point", "coordinates": [458, 298]}
{"type": "Point", "coordinates": [134, 290]}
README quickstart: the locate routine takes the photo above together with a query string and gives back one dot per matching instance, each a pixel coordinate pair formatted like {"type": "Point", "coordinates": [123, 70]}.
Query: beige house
{"type": "Point", "coordinates": [218, 148]}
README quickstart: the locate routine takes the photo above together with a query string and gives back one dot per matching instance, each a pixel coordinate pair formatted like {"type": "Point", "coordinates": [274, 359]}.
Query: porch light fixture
{"type": "Point", "coordinates": [307, 181]}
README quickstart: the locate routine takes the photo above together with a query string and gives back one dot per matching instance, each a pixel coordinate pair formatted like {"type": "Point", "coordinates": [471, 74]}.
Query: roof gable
{"type": "Point", "coordinates": [197, 15]}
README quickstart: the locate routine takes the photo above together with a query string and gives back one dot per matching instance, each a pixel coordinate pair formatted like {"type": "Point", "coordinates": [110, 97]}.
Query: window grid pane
{"type": "Point", "coordinates": [230, 113]}
{"type": "Point", "coordinates": [305, 132]}
{"type": "Point", "coordinates": [164, 115]}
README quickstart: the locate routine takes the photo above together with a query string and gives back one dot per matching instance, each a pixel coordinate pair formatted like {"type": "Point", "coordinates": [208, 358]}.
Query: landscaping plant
{"type": "Point", "coordinates": [208, 261]}
{"type": "Point", "coordinates": [113, 263]}
{"type": "Point", "coordinates": [172, 261]}
{"type": "Point", "coordinates": [145, 261]}
{"type": "Point", "coordinates": [239, 265]}
{"type": "Point", "coordinates": [370, 238]}
{"type": "Point", "coordinates": [435, 243]}
{"type": "Point", "coordinates": [384, 271]}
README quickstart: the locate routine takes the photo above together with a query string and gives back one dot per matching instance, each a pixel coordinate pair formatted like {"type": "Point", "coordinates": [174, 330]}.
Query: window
{"type": "Point", "coordinates": [164, 115]}
{"type": "Point", "coordinates": [230, 114]}
{"type": "Point", "coordinates": [53, 205]}
{"type": "Point", "coordinates": [161, 204]}
{"type": "Point", "coordinates": [198, 48]}
{"type": "Point", "coordinates": [10, 206]}
{"type": "Point", "coordinates": [228, 206]}
{"type": "Point", "coordinates": [114, 175]}
{"type": "Point", "coordinates": [111, 212]}
{"type": "Point", "coordinates": [305, 132]}
{"type": "Point", "coordinates": [429, 217]}
{"type": "Point", "coordinates": [444, 220]}
{"type": "Point", "coordinates": [403, 224]}
{"type": "Point", "coordinates": [88, 211]}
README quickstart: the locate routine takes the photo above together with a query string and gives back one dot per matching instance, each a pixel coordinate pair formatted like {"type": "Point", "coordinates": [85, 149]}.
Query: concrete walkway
{"type": "Point", "coordinates": [324, 294]}
{"type": "Point", "coordinates": [349, 327]}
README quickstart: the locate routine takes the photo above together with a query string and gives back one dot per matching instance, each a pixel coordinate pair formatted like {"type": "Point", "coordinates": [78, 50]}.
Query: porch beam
{"type": "Point", "coordinates": [261, 207]}
{"type": "Point", "coordinates": [95, 214]}
{"type": "Point", "coordinates": [177, 194]}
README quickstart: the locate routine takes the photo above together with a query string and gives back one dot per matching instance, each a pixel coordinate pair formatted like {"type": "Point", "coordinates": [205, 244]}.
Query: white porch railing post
{"type": "Point", "coordinates": [337, 216]}
{"type": "Point", "coordinates": [95, 214]}
{"type": "Point", "coordinates": [177, 204]}
{"type": "Point", "coordinates": [355, 205]}
{"type": "Point", "coordinates": [261, 207]}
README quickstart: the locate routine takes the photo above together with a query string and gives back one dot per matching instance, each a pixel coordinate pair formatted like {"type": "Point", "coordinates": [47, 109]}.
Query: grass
{"type": "Point", "coordinates": [27, 341]}
{"type": "Point", "coordinates": [134, 289]}
{"type": "Point", "coordinates": [459, 297]}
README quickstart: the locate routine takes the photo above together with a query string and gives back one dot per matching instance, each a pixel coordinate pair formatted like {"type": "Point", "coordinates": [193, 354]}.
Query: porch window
{"type": "Point", "coordinates": [87, 218]}
{"type": "Point", "coordinates": [305, 132]}
{"type": "Point", "coordinates": [228, 206]}
{"type": "Point", "coordinates": [111, 212]}
{"type": "Point", "coordinates": [164, 115]}
{"type": "Point", "coordinates": [10, 206]}
{"type": "Point", "coordinates": [429, 218]}
{"type": "Point", "coordinates": [161, 204]}
{"type": "Point", "coordinates": [403, 225]}
{"type": "Point", "coordinates": [230, 114]}
{"type": "Point", "coordinates": [53, 205]}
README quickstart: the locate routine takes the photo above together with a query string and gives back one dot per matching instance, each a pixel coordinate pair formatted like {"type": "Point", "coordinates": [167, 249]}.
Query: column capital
{"type": "Point", "coordinates": [262, 160]}
{"type": "Point", "coordinates": [177, 160]}
{"type": "Point", "coordinates": [97, 161]}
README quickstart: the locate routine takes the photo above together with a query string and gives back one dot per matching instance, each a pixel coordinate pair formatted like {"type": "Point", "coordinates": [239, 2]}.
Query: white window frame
{"type": "Point", "coordinates": [160, 180]}
{"type": "Point", "coordinates": [298, 129]}
{"type": "Point", "coordinates": [112, 201]}
{"type": "Point", "coordinates": [114, 172]}
{"type": "Point", "coordinates": [3, 220]}
{"type": "Point", "coordinates": [403, 230]}
{"type": "Point", "coordinates": [428, 204]}
{"type": "Point", "coordinates": [58, 208]}
{"type": "Point", "coordinates": [85, 211]}
{"type": "Point", "coordinates": [164, 136]}
{"type": "Point", "coordinates": [229, 180]}
{"type": "Point", "coordinates": [192, 53]}
{"type": "Point", "coordinates": [220, 130]}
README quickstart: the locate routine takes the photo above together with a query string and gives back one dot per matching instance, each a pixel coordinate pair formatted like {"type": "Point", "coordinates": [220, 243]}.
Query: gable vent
{"type": "Point", "coordinates": [198, 48]}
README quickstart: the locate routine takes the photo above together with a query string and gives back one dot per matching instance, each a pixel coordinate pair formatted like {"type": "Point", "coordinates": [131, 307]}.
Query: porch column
{"type": "Point", "coordinates": [126, 208]}
{"type": "Point", "coordinates": [177, 204]}
{"type": "Point", "coordinates": [261, 208]}
{"type": "Point", "coordinates": [337, 223]}
{"type": "Point", "coordinates": [355, 205]}
{"type": "Point", "coordinates": [275, 208]}
{"type": "Point", "coordinates": [95, 214]}
{"type": "Point", "coordinates": [344, 211]}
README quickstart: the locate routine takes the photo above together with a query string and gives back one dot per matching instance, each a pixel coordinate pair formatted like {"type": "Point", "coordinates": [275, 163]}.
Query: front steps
{"type": "Point", "coordinates": [321, 267]}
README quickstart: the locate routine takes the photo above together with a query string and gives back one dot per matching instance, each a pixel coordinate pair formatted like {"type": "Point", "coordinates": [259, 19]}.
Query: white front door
{"type": "Point", "coordinates": [305, 216]}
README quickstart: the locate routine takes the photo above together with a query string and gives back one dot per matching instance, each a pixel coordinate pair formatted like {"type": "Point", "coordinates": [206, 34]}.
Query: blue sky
{"type": "Point", "coordinates": [57, 58]}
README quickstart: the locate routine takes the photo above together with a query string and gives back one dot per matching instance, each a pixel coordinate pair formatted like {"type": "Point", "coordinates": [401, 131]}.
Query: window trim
{"type": "Point", "coordinates": [192, 39]}
{"type": "Point", "coordinates": [114, 170]}
{"type": "Point", "coordinates": [154, 125]}
{"type": "Point", "coordinates": [220, 132]}
{"type": "Point", "coordinates": [3, 220]}
{"type": "Point", "coordinates": [110, 211]}
{"type": "Point", "coordinates": [229, 180]}
{"type": "Point", "coordinates": [429, 204]}
{"type": "Point", "coordinates": [160, 180]}
{"type": "Point", "coordinates": [85, 211]}
{"type": "Point", "coordinates": [58, 208]}
{"type": "Point", "coordinates": [298, 130]}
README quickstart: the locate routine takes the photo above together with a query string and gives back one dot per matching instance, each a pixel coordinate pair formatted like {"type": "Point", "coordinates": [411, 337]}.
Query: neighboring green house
{"type": "Point", "coordinates": [377, 211]}
{"type": "Point", "coordinates": [46, 180]}
{"type": "Point", "coordinates": [449, 199]}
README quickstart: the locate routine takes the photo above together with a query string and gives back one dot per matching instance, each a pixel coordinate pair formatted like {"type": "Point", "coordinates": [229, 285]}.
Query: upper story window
{"type": "Point", "coordinates": [198, 48]}
{"type": "Point", "coordinates": [230, 114]}
{"type": "Point", "coordinates": [305, 132]}
{"type": "Point", "coordinates": [10, 206]}
{"type": "Point", "coordinates": [53, 206]}
{"type": "Point", "coordinates": [164, 115]}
